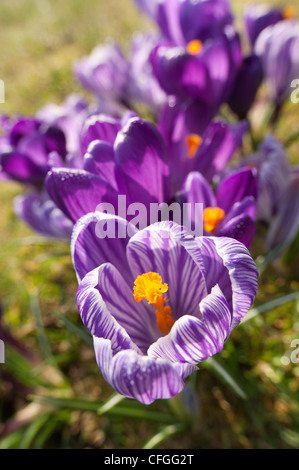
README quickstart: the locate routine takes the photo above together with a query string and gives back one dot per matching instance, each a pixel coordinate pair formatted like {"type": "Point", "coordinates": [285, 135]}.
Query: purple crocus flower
{"type": "Point", "coordinates": [195, 144]}
{"type": "Point", "coordinates": [232, 210]}
{"type": "Point", "coordinates": [259, 17]}
{"type": "Point", "coordinates": [105, 73]}
{"type": "Point", "coordinates": [41, 214]}
{"type": "Point", "coordinates": [285, 225]}
{"type": "Point", "coordinates": [181, 21]}
{"type": "Point", "coordinates": [129, 160]}
{"type": "Point", "coordinates": [277, 46]}
{"type": "Point", "coordinates": [201, 72]}
{"type": "Point", "coordinates": [158, 303]}
{"type": "Point", "coordinates": [142, 86]}
{"type": "Point", "coordinates": [29, 142]}
{"type": "Point", "coordinates": [249, 78]}
{"type": "Point", "coordinates": [129, 157]}
{"type": "Point", "coordinates": [273, 171]}
{"type": "Point", "coordinates": [69, 117]}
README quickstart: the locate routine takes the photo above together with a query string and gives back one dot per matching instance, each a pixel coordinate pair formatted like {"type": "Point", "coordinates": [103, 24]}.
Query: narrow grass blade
{"type": "Point", "coordinates": [272, 304]}
{"type": "Point", "coordinates": [77, 330]}
{"type": "Point", "coordinates": [225, 376]}
{"type": "Point", "coordinates": [164, 434]}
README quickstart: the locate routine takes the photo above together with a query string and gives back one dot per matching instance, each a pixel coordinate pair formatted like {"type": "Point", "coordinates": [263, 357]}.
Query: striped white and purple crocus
{"type": "Point", "coordinates": [158, 303]}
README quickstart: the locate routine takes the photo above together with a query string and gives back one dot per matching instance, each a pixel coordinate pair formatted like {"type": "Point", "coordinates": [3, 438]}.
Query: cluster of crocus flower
{"type": "Point", "coordinates": [159, 300]}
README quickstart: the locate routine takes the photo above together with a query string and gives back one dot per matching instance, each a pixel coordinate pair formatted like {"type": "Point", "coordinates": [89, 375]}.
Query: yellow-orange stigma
{"type": "Point", "coordinates": [194, 47]}
{"type": "Point", "coordinates": [149, 286]}
{"type": "Point", "coordinates": [289, 12]}
{"type": "Point", "coordinates": [211, 217]}
{"type": "Point", "coordinates": [193, 142]}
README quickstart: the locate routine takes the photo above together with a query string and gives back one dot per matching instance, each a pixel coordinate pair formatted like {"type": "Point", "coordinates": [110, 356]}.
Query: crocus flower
{"type": "Point", "coordinates": [196, 144]}
{"type": "Point", "coordinates": [69, 117]}
{"type": "Point", "coordinates": [105, 73]}
{"type": "Point", "coordinates": [277, 46]}
{"type": "Point", "coordinates": [271, 163]}
{"type": "Point", "coordinates": [249, 78]}
{"type": "Point", "coordinates": [129, 160]}
{"type": "Point", "coordinates": [142, 86]}
{"type": "Point", "coordinates": [29, 143]}
{"type": "Point", "coordinates": [181, 21]}
{"type": "Point", "coordinates": [285, 225]}
{"type": "Point", "coordinates": [159, 303]}
{"type": "Point", "coordinates": [41, 214]}
{"type": "Point", "coordinates": [202, 72]}
{"type": "Point", "coordinates": [259, 17]}
{"type": "Point", "coordinates": [232, 210]}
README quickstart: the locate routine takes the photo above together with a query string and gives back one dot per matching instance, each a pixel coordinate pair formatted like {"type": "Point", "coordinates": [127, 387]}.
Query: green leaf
{"type": "Point", "coordinates": [32, 430]}
{"type": "Point", "coordinates": [136, 412]}
{"type": "Point", "coordinates": [77, 330]}
{"type": "Point", "coordinates": [40, 330]}
{"type": "Point", "coordinates": [69, 403]}
{"type": "Point", "coordinates": [223, 373]}
{"type": "Point", "coordinates": [164, 434]}
{"type": "Point", "coordinates": [271, 305]}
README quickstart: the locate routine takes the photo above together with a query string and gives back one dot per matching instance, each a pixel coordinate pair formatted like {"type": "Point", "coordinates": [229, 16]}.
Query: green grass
{"type": "Point", "coordinates": [40, 40]}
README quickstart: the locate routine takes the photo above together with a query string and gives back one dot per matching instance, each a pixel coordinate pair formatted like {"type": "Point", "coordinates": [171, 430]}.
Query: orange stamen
{"type": "Point", "coordinates": [149, 286]}
{"type": "Point", "coordinates": [212, 216]}
{"type": "Point", "coordinates": [289, 12]}
{"type": "Point", "coordinates": [193, 142]}
{"type": "Point", "coordinates": [194, 47]}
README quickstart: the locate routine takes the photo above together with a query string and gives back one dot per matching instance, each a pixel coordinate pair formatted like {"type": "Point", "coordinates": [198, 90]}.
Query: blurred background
{"type": "Point", "coordinates": [48, 353]}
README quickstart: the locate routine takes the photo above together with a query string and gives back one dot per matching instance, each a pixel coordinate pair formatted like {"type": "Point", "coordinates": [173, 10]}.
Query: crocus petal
{"type": "Point", "coordinates": [96, 316]}
{"type": "Point", "coordinates": [285, 225]}
{"type": "Point", "coordinates": [90, 251]}
{"type": "Point", "coordinates": [104, 72]}
{"type": "Point", "coordinates": [99, 127]}
{"type": "Point", "coordinates": [140, 377]}
{"type": "Point", "coordinates": [240, 227]}
{"type": "Point", "coordinates": [77, 192]}
{"type": "Point", "coordinates": [170, 251]}
{"type": "Point", "coordinates": [22, 128]}
{"type": "Point", "coordinates": [197, 190]}
{"type": "Point", "coordinates": [20, 167]}
{"type": "Point", "coordinates": [41, 214]}
{"type": "Point", "coordinates": [181, 74]}
{"type": "Point", "coordinates": [250, 76]}
{"type": "Point", "coordinates": [229, 263]}
{"type": "Point", "coordinates": [193, 340]}
{"type": "Point", "coordinates": [204, 20]}
{"type": "Point", "coordinates": [220, 141]}
{"type": "Point", "coordinates": [259, 17]}
{"type": "Point", "coordinates": [99, 160]}
{"type": "Point", "coordinates": [168, 19]}
{"type": "Point", "coordinates": [247, 206]}
{"type": "Point", "coordinates": [236, 187]}
{"type": "Point", "coordinates": [142, 170]}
